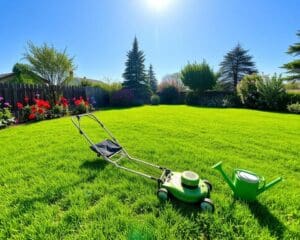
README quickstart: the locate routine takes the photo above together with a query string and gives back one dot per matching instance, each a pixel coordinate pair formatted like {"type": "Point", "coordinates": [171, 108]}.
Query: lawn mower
{"type": "Point", "coordinates": [185, 186]}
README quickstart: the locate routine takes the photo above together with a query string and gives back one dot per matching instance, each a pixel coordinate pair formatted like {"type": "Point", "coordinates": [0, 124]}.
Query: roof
{"type": "Point", "coordinates": [6, 75]}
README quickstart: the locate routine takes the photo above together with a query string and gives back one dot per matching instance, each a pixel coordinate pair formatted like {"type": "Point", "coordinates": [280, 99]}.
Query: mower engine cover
{"type": "Point", "coordinates": [186, 186]}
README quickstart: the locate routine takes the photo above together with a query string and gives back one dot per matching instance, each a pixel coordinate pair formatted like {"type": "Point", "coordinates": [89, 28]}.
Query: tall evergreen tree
{"type": "Point", "coordinates": [293, 67]}
{"type": "Point", "coordinates": [152, 81]}
{"type": "Point", "coordinates": [235, 65]}
{"type": "Point", "coordinates": [134, 75]}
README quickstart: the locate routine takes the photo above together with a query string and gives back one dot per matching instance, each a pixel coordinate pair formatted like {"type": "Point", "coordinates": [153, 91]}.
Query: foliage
{"type": "Point", "coordinates": [123, 98]}
{"type": "Point", "coordinates": [81, 106]}
{"type": "Point", "coordinates": [294, 108]}
{"type": "Point", "coordinates": [41, 109]}
{"type": "Point", "coordinates": [292, 85]}
{"type": "Point", "coordinates": [174, 80]}
{"type": "Point", "coordinates": [50, 64]}
{"type": "Point", "coordinates": [169, 94]}
{"type": "Point", "coordinates": [293, 67]}
{"type": "Point", "coordinates": [272, 94]}
{"type": "Point", "coordinates": [38, 111]}
{"type": "Point", "coordinates": [54, 187]}
{"type": "Point", "coordinates": [235, 65]}
{"type": "Point", "coordinates": [247, 90]}
{"type": "Point", "coordinates": [135, 76]}
{"type": "Point", "coordinates": [23, 74]}
{"type": "Point", "coordinates": [6, 117]}
{"type": "Point", "coordinates": [85, 83]}
{"type": "Point", "coordinates": [198, 77]}
{"type": "Point", "coordinates": [211, 99]}
{"type": "Point", "coordinates": [155, 99]}
{"type": "Point", "coordinates": [293, 97]}
{"type": "Point", "coordinates": [152, 81]}
{"type": "Point", "coordinates": [232, 100]}
{"type": "Point", "coordinates": [109, 89]}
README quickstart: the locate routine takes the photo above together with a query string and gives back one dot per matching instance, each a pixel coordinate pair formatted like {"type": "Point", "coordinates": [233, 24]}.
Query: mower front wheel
{"type": "Point", "coordinates": [207, 205]}
{"type": "Point", "coordinates": [208, 184]}
{"type": "Point", "coordinates": [162, 194]}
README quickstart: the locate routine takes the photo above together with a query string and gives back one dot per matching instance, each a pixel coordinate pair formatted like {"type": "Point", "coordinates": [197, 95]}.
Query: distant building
{"type": "Point", "coordinates": [7, 77]}
{"type": "Point", "coordinates": [26, 78]}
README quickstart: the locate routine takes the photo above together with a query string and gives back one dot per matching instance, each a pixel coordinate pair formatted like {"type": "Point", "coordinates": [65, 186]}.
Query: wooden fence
{"type": "Point", "coordinates": [14, 93]}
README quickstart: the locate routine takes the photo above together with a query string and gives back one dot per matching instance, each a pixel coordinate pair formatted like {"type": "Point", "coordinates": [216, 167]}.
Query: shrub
{"type": "Point", "coordinates": [211, 99]}
{"type": "Point", "coordinates": [247, 90]}
{"type": "Point", "coordinates": [232, 100]}
{"type": "Point", "coordinates": [122, 98]}
{"type": "Point", "coordinates": [61, 107]}
{"type": "Point", "coordinates": [294, 108]}
{"type": "Point", "coordinates": [173, 80]}
{"type": "Point", "coordinates": [155, 99]}
{"type": "Point", "coordinates": [198, 77]}
{"type": "Point", "coordinates": [6, 117]}
{"type": "Point", "coordinates": [293, 98]}
{"type": "Point", "coordinates": [81, 106]}
{"type": "Point", "coordinates": [38, 111]}
{"type": "Point", "coordinates": [109, 89]}
{"type": "Point", "coordinates": [169, 95]}
{"type": "Point", "coordinates": [272, 94]}
{"type": "Point", "coordinates": [192, 98]}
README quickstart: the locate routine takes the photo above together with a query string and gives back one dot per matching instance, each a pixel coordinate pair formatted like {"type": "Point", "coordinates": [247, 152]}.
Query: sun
{"type": "Point", "coordinates": [158, 5]}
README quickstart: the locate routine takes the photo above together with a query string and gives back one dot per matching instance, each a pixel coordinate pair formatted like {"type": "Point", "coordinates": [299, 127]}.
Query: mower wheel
{"type": "Point", "coordinates": [207, 205]}
{"type": "Point", "coordinates": [162, 194]}
{"type": "Point", "coordinates": [208, 184]}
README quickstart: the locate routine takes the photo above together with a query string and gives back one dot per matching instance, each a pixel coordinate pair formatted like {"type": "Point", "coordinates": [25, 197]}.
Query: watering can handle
{"type": "Point", "coordinates": [263, 181]}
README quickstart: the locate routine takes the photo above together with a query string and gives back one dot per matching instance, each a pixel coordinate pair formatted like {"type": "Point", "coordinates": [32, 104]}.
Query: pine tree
{"type": "Point", "coordinates": [135, 76]}
{"type": "Point", "coordinates": [293, 67]}
{"type": "Point", "coordinates": [152, 81]}
{"type": "Point", "coordinates": [235, 65]}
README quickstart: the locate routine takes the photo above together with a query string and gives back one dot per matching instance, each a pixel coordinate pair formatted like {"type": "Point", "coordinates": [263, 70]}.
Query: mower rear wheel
{"type": "Point", "coordinates": [207, 205]}
{"type": "Point", "coordinates": [162, 194]}
{"type": "Point", "coordinates": [208, 184]}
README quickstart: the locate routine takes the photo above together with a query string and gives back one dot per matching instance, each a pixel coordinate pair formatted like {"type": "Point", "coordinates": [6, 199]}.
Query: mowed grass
{"type": "Point", "coordinates": [52, 186]}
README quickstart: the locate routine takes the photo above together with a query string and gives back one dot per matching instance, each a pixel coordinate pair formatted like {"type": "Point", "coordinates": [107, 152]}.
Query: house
{"type": "Point", "coordinates": [22, 78]}
{"type": "Point", "coordinates": [7, 77]}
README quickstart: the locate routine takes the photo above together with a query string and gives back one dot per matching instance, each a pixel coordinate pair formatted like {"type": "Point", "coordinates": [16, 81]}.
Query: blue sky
{"type": "Point", "coordinates": [100, 32]}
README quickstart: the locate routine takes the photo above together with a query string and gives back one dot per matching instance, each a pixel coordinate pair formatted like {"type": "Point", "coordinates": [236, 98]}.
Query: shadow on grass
{"type": "Point", "coordinates": [266, 219]}
{"type": "Point", "coordinates": [97, 164]}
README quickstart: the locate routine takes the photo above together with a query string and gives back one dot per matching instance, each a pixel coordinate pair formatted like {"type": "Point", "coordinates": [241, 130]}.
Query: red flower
{"type": "Point", "coordinates": [19, 105]}
{"type": "Point", "coordinates": [46, 104]}
{"type": "Point", "coordinates": [31, 116]}
{"type": "Point", "coordinates": [78, 102]}
{"type": "Point", "coordinates": [41, 111]}
{"type": "Point", "coordinates": [26, 99]}
{"type": "Point", "coordinates": [33, 108]}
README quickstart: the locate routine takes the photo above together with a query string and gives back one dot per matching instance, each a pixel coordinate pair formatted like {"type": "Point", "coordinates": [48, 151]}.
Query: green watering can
{"type": "Point", "coordinates": [246, 185]}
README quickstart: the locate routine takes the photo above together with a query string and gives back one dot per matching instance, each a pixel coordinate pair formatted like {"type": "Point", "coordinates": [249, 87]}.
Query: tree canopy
{"type": "Point", "coordinates": [50, 64]}
{"type": "Point", "coordinates": [235, 65]}
{"type": "Point", "coordinates": [23, 74]}
{"type": "Point", "coordinates": [152, 79]}
{"type": "Point", "coordinates": [135, 75]}
{"type": "Point", "coordinates": [198, 77]}
{"type": "Point", "coordinates": [293, 67]}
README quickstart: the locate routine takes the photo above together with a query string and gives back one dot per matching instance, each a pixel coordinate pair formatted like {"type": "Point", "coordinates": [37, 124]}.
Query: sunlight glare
{"type": "Point", "coordinates": [158, 5]}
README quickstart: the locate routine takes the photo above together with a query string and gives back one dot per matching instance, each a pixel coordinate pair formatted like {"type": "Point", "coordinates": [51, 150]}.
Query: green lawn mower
{"type": "Point", "coordinates": [185, 186]}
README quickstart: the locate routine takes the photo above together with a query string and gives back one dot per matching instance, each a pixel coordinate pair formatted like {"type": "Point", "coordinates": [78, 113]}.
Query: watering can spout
{"type": "Point", "coordinates": [269, 185]}
{"type": "Point", "coordinates": [218, 166]}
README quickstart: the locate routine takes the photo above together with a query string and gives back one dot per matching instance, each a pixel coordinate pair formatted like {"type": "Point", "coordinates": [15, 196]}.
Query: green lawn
{"type": "Point", "coordinates": [53, 187]}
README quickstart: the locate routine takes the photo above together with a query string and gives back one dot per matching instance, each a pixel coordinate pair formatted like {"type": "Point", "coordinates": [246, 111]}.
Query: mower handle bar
{"type": "Point", "coordinates": [92, 116]}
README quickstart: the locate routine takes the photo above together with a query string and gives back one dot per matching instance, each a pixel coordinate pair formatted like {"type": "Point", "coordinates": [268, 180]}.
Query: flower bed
{"type": "Point", "coordinates": [40, 109]}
